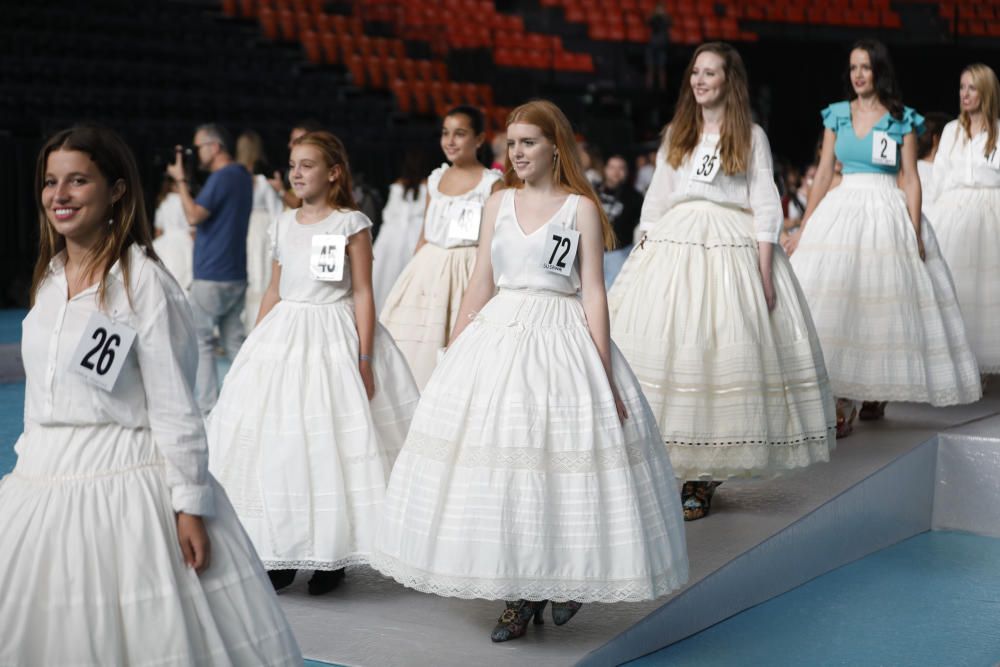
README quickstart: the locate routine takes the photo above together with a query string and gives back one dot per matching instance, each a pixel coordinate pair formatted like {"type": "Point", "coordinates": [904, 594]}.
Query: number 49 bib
{"type": "Point", "coordinates": [561, 246]}
{"type": "Point", "coordinates": [101, 353]}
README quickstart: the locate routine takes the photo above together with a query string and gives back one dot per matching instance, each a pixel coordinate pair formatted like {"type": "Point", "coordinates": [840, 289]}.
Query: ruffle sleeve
{"type": "Point", "coordinates": [897, 128]}
{"type": "Point", "coordinates": [836, 116]}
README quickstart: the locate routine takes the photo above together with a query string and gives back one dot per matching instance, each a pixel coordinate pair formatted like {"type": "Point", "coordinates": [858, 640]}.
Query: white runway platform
{"type": "Point", "coordinates": [888, 481]}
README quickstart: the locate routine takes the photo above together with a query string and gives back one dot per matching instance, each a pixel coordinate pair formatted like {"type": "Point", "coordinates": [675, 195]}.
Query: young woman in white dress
{"type": "Point", "coordinates": [534, 470]}
{"type": "Point", "coordinates": [118, 547]}
{"type": "Point", "coordinates": [267, 206]}
{"type": "Point", "coordinates": [174, 242]}
{"type": "Point", "coordinates": [966, 212]}
{"type": "Point", "coordinates": [319, 399]}
{"type": "Point", "coordinates": [880, 294]}
{"type": "Point", "coordinates": [402, 224]}
{"type": "Point", "coordinates": [422, 307]}
{"type": "Point", "coordinates": [707, 312]}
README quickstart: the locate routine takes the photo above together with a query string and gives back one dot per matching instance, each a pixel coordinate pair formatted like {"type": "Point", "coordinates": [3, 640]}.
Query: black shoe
{"type": "Point", "coordinates": [324, 581]}
{"type": "Point", "coordinates": [563, 611]}
{"type": "Point", "coordinates": [513, 622]}
{"type": "Point", "coordinates": [281, 578]}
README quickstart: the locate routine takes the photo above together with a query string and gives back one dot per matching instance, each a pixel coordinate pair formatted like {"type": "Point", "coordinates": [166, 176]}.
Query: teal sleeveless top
{"type": "Point", "coordinates": [856, 154]}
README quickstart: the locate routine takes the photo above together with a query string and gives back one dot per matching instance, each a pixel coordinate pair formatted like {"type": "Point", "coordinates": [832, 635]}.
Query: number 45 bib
{"type": "Point", "coordinates": [326, 258]}
{"type": "Point", "coordinates": [101, 353]}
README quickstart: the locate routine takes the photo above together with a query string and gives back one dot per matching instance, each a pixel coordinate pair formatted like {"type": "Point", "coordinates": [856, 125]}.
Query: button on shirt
{"type": "Point", "coordinates": [155, 387]}
{"type": "Point", "coordinates": [753, 190]}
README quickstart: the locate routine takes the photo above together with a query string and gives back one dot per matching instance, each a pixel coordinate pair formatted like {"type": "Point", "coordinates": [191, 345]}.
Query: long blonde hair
{"type": "Point", "coordinates": [567, 170]}
{"type": "Point", "coordinates": [985, 81]}
{"type": "Point", "coordinates": [683, 133]}
{"type": "Point", "coordinates": [250, 150]}
{"type": "Point", "coordinates": [129, 223]}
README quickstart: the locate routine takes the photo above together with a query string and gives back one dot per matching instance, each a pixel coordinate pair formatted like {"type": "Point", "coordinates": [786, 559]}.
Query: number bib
{"type": "Point", "coordinates": [993, 159]}
{"type": "Point", "coordinates": [561, 246]}
{"type": "Point", "coordinates": [883, 149]}
{"type": "Point", "coordinates": [326, 261]}
{"type": "Point", "coordinates": [100, 355]}
{"type": "Point", "coordinates": [465, 218]}
{"type": "Point", "coordinates": [706, 164]}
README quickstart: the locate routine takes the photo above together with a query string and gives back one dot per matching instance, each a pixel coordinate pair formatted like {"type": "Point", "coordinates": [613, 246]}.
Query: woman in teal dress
{"type": "Point", "coordinates": [881, 296]}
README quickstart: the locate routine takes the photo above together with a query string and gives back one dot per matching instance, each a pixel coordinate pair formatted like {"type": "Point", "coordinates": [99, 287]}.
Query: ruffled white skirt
{"type": "Point", "coordinates": [301, 451]}
{"type": "Point", "coordinates": [259, 260]}
{"type": "Point", "coordinates": [421, 309]}
{"type": "Point", "coordinates": [176, 250]}
{"type": "Point", "coordinates": [517, 479]}
{"type": "Point", "coordinates": [93, 573]}
{"type": "Point", "coordinates": [967, 222]}
{"type": "Point", "coordinates": [889, 323]}
{"type": "Point", "coordinates": [738, 391]}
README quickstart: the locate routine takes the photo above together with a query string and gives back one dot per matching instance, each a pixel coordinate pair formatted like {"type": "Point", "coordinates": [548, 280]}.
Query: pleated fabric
{"type": "Point", "coordinates": [737, 391]}
{"type": "Point", "coordinates": [967, 222]}
{"type": "Point", "coordinates": [889, 323]}
{"type": "Point", "coordinates": [421, 309]}
{"type": "Point", "coordinates": [301, 451]}
{"type": "Point", "coordinates": [517, 479]}
{"type": "Point", "coordinates": [94, 575]}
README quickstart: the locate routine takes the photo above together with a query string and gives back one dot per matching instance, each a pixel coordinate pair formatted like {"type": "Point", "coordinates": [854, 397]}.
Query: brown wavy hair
{"type": "Point", "coordinates": [341, 194]}
{"type": "Point", "coordinates": [682, 134]}
{"type": "Point", "coordinates": [985, 81]}
{"type": "Point", "coordinates": [130, 225]}
{"type": "Point", "coordinates": [567, 170]}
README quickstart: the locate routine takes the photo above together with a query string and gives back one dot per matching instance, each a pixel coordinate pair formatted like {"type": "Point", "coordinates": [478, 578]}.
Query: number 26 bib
{"type": "Point", "coordinates": [101, 352]}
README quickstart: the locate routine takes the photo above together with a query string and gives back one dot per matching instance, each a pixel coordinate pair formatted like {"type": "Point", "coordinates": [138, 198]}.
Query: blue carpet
{"type": "Point", "coordinates": [11, 422]}
{"type": "Point", "coordinates": [10, 325]}
{"type": "Point", "coordinates": [931, 600]}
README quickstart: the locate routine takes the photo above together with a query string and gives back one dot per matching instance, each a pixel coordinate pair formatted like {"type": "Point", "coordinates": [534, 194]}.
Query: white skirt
{"type": "Point", "coordinates": [259, 260]}
{"type": "Point", "coordinates": [517, 479]}
{"type": "Point", "coordinates": [738, 391]}
{"type": "Point", "coordinates": [421, 310]}
{"type": "Point", "coordinates": [176, 250]}
{"type": "Point", "coordinates": [301, 451]}
{"type": "Point", "coordinates": [967, 222]}
{"type": "Point", "coordinates": [392, 251]}
{"type": "Point", "coordinates": [93, 573]}
{"type": "Point", "coordinates": [889, 323]}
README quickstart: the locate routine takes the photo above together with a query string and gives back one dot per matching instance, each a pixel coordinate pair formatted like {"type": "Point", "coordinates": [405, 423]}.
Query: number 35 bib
{"type": "Point", "coordinates": [706, 164]}
{"type": "Point", "coordinates": [101, 352]}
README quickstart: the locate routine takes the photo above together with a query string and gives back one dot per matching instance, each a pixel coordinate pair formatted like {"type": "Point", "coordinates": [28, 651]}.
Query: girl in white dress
{"type": "Point", "coordinates": [319, 399]}
{"type": "Point", "coordinates": [422, 307]}
{"type": "Point", "coordinates": [402, 224]}
{"type": "Point", "coordinates": [267, 206]}
{"type": "Point", "coordinates": [174, 244]}
{"type": "Point", "coordinates": [707, 313]}
{"type": "Point", "coordinates": [534, 470]}
{"type": "Point", "coordinates": [966, 212]}
{"type": "Point", "coordinates": [118, 547]}
{"type": "Point", "coordinates": [880, 294]}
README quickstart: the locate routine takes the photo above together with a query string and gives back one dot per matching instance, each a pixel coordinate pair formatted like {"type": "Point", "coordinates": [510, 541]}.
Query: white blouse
{"type": "Point", "coordinates": [155, 389]}
{"type": "Point", "coordinates": [265, 198]}
{"type": "Point", "coordinates": [961, 163]}
{"type": "Point", "coordinates": [753, 191]}
{"type": "Point", "coordinates": [169, 217]}
{"type": "Point", "coordinates": [442, 208]}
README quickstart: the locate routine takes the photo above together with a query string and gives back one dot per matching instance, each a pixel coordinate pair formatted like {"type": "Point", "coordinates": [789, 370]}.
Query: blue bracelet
{"type": "Point", "coordinates": [365, 357]}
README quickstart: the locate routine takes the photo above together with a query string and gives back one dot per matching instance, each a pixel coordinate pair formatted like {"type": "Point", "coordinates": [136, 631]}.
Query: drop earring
{"type": "Point", "coordinates": [111, 221]}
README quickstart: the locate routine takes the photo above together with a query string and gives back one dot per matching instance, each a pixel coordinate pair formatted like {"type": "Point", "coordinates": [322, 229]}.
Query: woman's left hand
{"type": "Point", "coordinates": [365, 366]}
{"type": "Point", "coordinates": [769, 296]}
{"type": "Point", "coordinates": [195, 545]}
{"type": "Point", "coordinates": [619, 405]}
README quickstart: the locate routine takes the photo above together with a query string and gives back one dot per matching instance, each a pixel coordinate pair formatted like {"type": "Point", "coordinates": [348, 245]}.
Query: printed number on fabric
{"type": "Point", "coordinates": [100, 354]}
{"type": "Point", "coordinates": [465, 218]}
{"type": "Point", "coordinates": [326, 261]}
{"type": "Point", "coordinates": [883, 149]}
{"type": "Point", "coordinates": [561, 246]}
{"type": "Point", "coordinates": [993, 159]}
{"type": "Point", "coordinates": [706, 164]}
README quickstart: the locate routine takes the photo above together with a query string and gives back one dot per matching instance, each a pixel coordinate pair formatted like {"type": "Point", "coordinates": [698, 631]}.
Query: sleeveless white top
{"type": "Point", "coordinates": [442, 208]}
{"type": "Point", "coordinates": [517, 257]}
{"type": "Point", "coordinates": [291, 244]}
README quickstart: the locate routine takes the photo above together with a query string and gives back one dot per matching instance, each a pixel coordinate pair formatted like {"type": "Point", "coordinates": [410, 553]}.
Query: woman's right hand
{"type": "Point", "coordinates": [792, 242]}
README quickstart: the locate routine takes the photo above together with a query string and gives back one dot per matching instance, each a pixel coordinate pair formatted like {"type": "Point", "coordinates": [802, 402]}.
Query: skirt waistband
{"type": "Point", "coordinates": [870, 181]}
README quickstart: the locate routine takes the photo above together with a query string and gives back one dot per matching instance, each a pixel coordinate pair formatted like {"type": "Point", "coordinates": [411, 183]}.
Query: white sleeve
{"type": "Point", "coordinates": [168, 358]}
{"type": "Point", "coordinates": [765, 202]}
{"type": "Point", "coordinates": [942, 161]}
{"type": "Point", "coordinates": [661, 187]}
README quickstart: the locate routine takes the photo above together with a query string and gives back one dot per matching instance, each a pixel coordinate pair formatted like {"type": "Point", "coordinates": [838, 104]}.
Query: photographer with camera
{"type": "Point", "coordinates": [220, 213]}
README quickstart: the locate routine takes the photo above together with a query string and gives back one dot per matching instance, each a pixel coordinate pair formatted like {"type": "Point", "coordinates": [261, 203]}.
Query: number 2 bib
{"type": "Point", "coordinates": [100, 354]}
{"type": "Point", "coordinates": [561, 246]}
{"type": "Point", "coordinates": [883, 149]}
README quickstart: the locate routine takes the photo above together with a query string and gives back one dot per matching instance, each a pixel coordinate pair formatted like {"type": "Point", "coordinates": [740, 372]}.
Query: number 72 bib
{"type": "Point", "coordinates": [561, 246]}
{"type": "Point", "coordinates": [101, 352]}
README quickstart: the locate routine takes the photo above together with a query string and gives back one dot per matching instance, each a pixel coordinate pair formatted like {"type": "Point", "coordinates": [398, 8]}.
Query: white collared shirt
{"type": "Point", "coordinates": [961, 163]}
{"type": "Point", "coordinates": [754, 190]}
{"type": "Point", "coordinates": [155, 388]}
